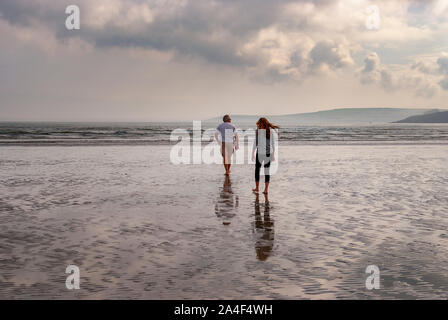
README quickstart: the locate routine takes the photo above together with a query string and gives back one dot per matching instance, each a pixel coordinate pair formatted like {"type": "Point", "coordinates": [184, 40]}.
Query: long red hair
{"type": "Point", "coordinates": [264, 123]}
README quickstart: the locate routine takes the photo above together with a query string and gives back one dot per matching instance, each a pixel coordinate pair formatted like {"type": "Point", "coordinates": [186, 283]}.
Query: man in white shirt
{"type": "Point", "coordinates": [226, 134]}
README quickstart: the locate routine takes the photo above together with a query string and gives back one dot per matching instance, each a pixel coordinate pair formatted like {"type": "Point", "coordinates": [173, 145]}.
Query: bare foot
{"type": "Point", "coordinates": [265, 192]}
{"type": "Point", "coordinates": [255, 190]}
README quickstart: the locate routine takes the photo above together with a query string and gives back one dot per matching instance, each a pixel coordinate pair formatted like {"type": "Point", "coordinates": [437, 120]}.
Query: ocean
{"type": "Point", "coordinates": [35, 133]}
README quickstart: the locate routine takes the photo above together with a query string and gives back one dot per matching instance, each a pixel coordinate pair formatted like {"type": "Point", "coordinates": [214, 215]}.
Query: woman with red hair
{"type": "Point", "coordinates": [264, 144]}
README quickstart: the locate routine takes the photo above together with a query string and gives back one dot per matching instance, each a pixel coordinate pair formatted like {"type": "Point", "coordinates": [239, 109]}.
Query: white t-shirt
{"type": "Point", "coordinates": [227, 131]}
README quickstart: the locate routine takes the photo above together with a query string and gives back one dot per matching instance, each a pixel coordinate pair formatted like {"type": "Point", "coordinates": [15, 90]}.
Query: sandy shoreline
{"type": "Point", "coordinates": [140, 227]}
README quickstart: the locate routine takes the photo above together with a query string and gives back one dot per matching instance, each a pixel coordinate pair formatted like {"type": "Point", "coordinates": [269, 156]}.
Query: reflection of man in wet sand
{"type": "Point", "coordinates": [226, 134]}
{"type": "Point", "coordinates": [265, 226]}
{"type": "Point", "coordinates": [227, 203]}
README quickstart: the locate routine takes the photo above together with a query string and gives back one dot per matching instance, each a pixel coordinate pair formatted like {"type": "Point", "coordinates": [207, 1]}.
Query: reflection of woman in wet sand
{"type": "Point", "coordinates": [227, 202]}
{"type": "Point", "coordinates": [265, 242]}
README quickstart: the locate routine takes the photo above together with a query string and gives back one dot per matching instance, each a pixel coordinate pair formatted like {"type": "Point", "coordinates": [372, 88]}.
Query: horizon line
{"type": "Point", "coordinates": [213, 117]}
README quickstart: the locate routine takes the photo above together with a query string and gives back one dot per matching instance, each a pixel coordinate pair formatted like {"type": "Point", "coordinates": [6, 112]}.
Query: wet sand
{"type": "Point", "coordinates": [139, 227]}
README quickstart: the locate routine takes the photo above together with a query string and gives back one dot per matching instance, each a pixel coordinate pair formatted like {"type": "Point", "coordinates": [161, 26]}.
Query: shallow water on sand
{"type": "Point", "coordinates": [139, 227]}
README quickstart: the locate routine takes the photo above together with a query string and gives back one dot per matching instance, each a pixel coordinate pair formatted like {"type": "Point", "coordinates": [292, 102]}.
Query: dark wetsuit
{"type": "Point", "coordinates": [266, 158]}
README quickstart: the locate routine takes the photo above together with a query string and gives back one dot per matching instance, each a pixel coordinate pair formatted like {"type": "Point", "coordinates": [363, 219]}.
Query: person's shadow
{"type": "Point", "coordinates": [264, 229]}
{"type": "Point", "coordinates": [227, 202]}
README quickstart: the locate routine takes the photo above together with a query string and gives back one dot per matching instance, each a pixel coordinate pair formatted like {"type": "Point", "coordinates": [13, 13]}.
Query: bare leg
{"type": "Point", "coordinates": [226, 165]}
{"type": "Point", "coordinates": [257, 183]}
{"type": "Point", "coordinates": [266, 199]}
{"type": "Point", "coordinates": [266, 187]}
{"type": "Point", "coordinates": [223, 153]}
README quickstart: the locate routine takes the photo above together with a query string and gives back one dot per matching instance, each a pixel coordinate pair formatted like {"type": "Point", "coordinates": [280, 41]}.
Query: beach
{"type": "Point", "coordinates": [139, 227]}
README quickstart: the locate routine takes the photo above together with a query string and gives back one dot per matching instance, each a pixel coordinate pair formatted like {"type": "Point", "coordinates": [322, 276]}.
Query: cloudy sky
{"type": "Point", "coordinates": [151, 60]}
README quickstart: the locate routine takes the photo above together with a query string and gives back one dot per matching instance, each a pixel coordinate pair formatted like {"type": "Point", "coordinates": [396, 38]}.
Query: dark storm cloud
{"type": "Point", "coordinates": [212, 30]}
{"type": "Point", "coordinates": [24, 12]}
{"type": "Point", "coordinates": [188, 30]}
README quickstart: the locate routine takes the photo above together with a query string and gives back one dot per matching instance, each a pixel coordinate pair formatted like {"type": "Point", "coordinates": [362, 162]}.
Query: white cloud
{"type": "Point", "coordinates": [275, 51]}
{"type": "Point", "coordinates": [440, 8]}
{"type": "Point", "coordinates": [420, 77]}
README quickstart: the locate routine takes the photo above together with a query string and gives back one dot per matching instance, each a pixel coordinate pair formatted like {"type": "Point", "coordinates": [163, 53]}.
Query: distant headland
{"type": "Point", "coordinates": [435, 117]}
